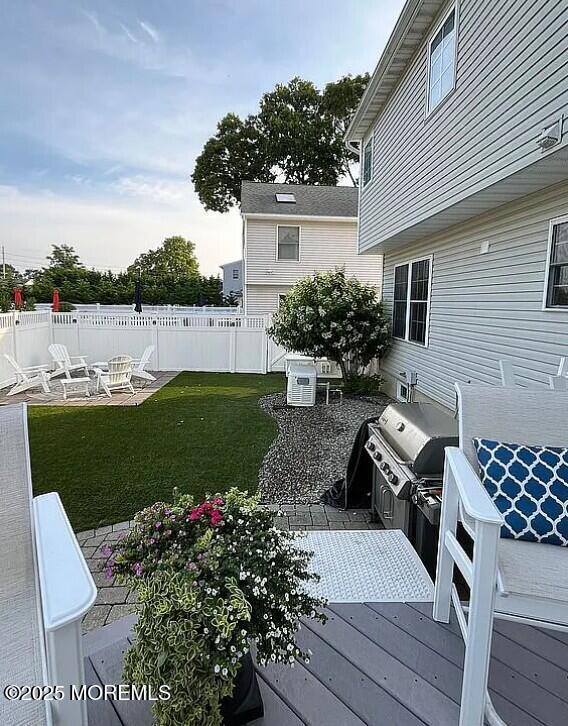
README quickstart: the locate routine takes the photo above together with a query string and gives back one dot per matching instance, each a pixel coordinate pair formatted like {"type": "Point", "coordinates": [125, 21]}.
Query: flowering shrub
{"type": "Point", "coordinates": [209, 579]}
{"type": "Point", "coordinates": [330, 315]}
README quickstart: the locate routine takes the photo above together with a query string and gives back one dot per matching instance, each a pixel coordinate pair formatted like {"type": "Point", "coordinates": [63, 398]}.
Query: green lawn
{"type": "Point", "coordinates": [203, 432]}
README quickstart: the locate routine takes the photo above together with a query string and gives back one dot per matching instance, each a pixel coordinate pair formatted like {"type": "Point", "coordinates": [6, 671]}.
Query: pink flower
{"type": "Point", "coordinates": [216, 517]}
{"type": "Point", "coordinates": [106, 550]}
{"type": "Point", "coordinates": [138, 568]}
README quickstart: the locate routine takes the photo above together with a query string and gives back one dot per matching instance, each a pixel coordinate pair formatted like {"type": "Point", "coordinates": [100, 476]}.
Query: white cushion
{"type": "Point", "coordinates": [530, 569]}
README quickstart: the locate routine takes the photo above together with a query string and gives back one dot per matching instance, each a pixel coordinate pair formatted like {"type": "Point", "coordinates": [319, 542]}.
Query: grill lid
{"type": "Point", "coordinates": [419, 433]}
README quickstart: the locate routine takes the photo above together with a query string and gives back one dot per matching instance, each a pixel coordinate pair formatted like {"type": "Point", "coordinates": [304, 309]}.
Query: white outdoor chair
{"type": "Point", "coordinates": [28, 377]}
{"type": "Point", "coordinates": [45, 588]}
{"type": "Point", "coordinates": [64, 362]}
{"type": "Point", "coordinates": [139, 366]}
{"type": "Point", "coordinates": [559, 382]}
{"type": "Point", "coordinates": [117, 377]}
{"type": "Point", "coordinates": [511, 579]}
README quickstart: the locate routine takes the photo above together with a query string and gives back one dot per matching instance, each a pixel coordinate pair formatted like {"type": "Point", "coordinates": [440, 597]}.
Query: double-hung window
{"type": "Point", "coordinates": [442, 61]}
{"type": "Point", "coordinates": [557, 287]}
{"type": "Point", "coordinates": [411, 304]}
{"type": "Point", "coordinates": [368, 162]}
{"type": "Point", "coordinates": [235, 274]}
{"type": "Point", "coordinates": [288, 243]}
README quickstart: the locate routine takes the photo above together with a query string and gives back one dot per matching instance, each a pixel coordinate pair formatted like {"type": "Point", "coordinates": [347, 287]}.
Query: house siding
{"type": "Point", "coordinates": [323, 246]}
{"type": "Point", "coordinates": [511, 81]}
{"type": "Point", "coordinates": [485, 307]}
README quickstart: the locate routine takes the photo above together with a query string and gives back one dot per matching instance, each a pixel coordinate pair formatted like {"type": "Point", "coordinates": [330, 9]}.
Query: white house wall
{"type": "Point", "coordinates": [323, 246]}
{"type": "Point", "coordinates": [511, 81]}
{"type": "Point", "coordinates": [485, 307]}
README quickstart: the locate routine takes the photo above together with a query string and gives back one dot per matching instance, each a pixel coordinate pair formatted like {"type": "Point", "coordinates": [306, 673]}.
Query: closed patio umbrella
{"type": "Point", "coordinates": [18, 299]}
{"type": "Point", "coordinates": [55, 303]}
{"type": "Point", "coordinates": [138, 296]}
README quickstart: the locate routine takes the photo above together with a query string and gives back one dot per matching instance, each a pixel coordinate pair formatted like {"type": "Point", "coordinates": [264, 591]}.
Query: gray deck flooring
{"type": "Point", "coordinates": [381, 664]}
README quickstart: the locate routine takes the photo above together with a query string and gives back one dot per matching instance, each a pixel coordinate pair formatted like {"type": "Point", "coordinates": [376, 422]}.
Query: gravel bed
{"type": "Point", "coordinates": [312, 447]}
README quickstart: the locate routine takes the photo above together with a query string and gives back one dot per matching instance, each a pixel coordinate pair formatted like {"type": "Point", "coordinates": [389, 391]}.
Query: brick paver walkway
{"type": "Point", "coordinates": [115, 601]}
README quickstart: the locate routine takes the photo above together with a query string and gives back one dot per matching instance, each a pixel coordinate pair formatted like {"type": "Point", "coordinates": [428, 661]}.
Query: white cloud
{"type": "Point", "coordinates": [152, 32]}
{"type": "Point", "coordinates": [113, 232]}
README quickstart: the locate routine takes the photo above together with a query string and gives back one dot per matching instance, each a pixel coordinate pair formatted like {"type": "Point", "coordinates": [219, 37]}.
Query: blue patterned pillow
{"type": "Point", "coordinates": [529, 485]}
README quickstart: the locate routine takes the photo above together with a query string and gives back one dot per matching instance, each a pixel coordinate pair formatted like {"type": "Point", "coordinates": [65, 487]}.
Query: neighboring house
{"type": "Point", "coordinates": [233, 278]}
{"type": "Point", "coordinates": [464, 167]}
{"type": "Point", "coordinates": [290, 231]}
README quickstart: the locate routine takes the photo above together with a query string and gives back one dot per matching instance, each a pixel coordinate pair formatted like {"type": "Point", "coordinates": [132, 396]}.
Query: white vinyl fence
{"type": "Point", "coordinates": [191, 342]}
{"type": "Point", "coordinates": [158, 309]}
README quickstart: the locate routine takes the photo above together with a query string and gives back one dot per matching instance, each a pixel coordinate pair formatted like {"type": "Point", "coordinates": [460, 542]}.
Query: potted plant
{"type": "Point", "coordinates": [212, 580]}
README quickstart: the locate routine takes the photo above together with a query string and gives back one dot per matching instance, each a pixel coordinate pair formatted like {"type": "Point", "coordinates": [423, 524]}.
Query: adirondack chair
{"type": "Point", "coordinates": [139, 366]}
{"type": "Point", "coordinates": [117, 377]}
{"type": "Point", "coordinates": [508, 578]}
{"type": "Point", "coordinates": [64, 362]}
{"type": "Point", "coordinates": [28, 377]}
{"type": "Point", "coordinates": [45, 588]}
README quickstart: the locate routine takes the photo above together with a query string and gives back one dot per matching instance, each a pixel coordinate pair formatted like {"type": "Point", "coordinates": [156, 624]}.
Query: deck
{"type": "Point", "coordinates": [377, 664]}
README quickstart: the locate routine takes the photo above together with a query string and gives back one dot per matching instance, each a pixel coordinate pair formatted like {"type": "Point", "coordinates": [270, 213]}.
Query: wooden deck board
{"type": "Point", "coordinates": [376, 664]}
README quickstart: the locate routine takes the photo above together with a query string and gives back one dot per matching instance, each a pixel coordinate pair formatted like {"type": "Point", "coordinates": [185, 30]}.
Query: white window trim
{"type": "Point", "coordinates": [453, 9]}
{"type": "Point", "coordinates": [545, 305]}
{"type": "Point", "coordinates": [293, 262]}
{"type": "Point", "coordinates": [409, 264]}
{"type": "Point", "coordinates": [364, 183]}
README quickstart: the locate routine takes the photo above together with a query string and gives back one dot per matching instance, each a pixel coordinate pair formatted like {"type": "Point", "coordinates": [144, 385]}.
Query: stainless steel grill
{"type": "Point", "coordinates": [407, 446]}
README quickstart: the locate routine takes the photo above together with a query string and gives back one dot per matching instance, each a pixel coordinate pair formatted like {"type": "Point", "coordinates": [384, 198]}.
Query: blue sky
{"type": "Point", "coordinates": [104, 107]}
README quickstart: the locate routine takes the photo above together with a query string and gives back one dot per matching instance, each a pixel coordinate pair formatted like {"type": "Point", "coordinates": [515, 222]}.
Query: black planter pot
{"type": "Point", "coordinates": [245, 705]}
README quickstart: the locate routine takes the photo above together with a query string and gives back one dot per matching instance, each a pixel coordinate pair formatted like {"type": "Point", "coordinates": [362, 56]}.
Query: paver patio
{"type": "Point", "coordinates": [121, 398]}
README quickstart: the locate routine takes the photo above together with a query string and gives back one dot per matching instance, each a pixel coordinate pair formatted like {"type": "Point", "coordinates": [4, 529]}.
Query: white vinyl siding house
{"type": "Point", "coordinates": [463, 195]}
{"type": "Point", "coordinates": [281, 248]}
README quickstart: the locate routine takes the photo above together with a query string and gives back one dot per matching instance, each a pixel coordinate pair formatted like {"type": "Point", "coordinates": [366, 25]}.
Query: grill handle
{"type": "Point", "coordinates": [389, 448]}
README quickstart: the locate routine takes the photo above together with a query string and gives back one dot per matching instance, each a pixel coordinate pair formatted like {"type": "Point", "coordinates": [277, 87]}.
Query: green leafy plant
{"type": "Point", "coordinates": [330, 315]}
{"type": "Point", "coordinates": [210, 579]}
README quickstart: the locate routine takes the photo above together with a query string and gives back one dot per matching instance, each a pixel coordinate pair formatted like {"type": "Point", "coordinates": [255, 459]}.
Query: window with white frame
{"type": "Point", "coordinates": [288, 243]}
{"type": "Point", "coordinates": [368, 162]}
{"type": "Point", "coordinates": [411, 303]}
{"type": "Point", "coordinates": [235, 274]}
{"type": "Point", "coordinates": [442, 61]}
{"type": "Point", "coordinates": [557, 287]}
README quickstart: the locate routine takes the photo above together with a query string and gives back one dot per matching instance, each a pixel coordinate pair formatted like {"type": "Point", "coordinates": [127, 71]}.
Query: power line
{"type": "Point", "coordinates": [26, 259]}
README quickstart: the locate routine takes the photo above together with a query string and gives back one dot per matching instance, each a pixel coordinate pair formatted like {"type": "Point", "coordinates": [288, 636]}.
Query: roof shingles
{"type": "Point", "coordinates": [311, 201]}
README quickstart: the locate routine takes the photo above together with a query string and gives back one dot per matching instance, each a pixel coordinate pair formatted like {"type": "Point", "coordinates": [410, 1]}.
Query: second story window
{"type": "Point", "coordinates": [411, 304]}
{"type": "Point", "coordinates": [288, 243]}
{"type": "Point", "coordinates": [557, 287]}
{"type": "Point", "coordinates": [368, 162]}
{"type": "Point", "coordinates": [442, 61]}
{"type": "Point", "coordinates": [235, 274]}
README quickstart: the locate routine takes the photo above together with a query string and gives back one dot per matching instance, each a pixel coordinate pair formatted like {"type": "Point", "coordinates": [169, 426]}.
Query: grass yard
{"type": "Point", "coordinates": [202, 432]}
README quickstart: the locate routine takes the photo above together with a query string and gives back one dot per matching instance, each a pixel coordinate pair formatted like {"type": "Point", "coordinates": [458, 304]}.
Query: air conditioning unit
{"type": "Point", "coordinates": [302, 380]}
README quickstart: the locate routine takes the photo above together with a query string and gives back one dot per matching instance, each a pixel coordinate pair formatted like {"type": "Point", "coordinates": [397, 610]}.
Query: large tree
{"type": "Point", "coordinates": [173, 261]}
{"type": "Point", "coordinates": [296, 137]}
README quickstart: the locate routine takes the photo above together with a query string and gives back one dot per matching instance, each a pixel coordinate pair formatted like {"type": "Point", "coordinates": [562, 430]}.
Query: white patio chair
{"type": "Point", "coordinates": [508, 578]}
{"type": "Point", "coordinates": [64, 362]}
{"type": "Point", "coordinates": [139, 366]}
{"type": "Point", "coordinates": [117, 377]}
{"type": "Point", "coordinates": [45, 588]}
{"type": "Point", "coordinates": [28, 377]}
{"type": "Point", "coordinates": [559, 382]}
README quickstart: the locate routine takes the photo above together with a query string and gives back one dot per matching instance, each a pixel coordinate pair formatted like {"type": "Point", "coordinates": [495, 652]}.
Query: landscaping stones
{"type": "Point", "coordinates": [312, 447]}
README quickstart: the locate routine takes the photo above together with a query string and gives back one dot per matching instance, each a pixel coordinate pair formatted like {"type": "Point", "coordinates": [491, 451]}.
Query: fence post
{"type": "Point", "coordinates": [50, 320]}
{"type": "Point", "coordinates": [15, 335]}
{"type": "Point", "coordinates": [233, 349]}
{"type": "Point", "coordinates": [267, 367]}
{"type": "Point", "coordinates": [156, 340]}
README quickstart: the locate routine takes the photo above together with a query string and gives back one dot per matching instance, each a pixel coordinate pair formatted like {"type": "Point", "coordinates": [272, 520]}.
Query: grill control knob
{"type": "Point", "coordinates": [384, 467]}
{"type": "Point", "coordinates": [371, 446]}
{"type": "Point", "coordinates": [377, 456]}
{"type": "Point", "coordinates": [393, 479]}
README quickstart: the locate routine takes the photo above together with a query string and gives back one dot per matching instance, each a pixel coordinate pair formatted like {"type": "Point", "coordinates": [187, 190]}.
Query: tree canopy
{"type": "Point", "coordinates": [170, 275]}
{"type": "Point", "coordinates": [333, 316]}
{"type": "Point", "coordinates": [296, 137]}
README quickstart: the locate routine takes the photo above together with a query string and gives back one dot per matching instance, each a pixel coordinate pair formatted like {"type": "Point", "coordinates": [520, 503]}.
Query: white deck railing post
{"type": "Point", "coordinates": [480, 625]}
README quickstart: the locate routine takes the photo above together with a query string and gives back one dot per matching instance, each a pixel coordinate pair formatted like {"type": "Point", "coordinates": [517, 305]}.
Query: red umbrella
{"type": "Point", "coordinates": [55, 303]}
{"type": "Point", "coordinates": [18, 299]}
